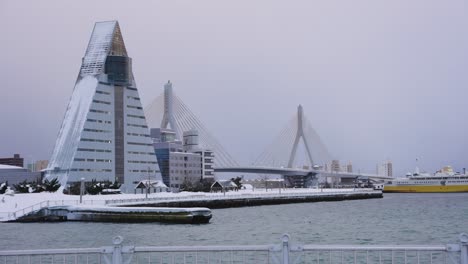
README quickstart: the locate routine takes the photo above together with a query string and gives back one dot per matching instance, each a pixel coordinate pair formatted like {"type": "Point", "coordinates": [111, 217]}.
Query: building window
{"type": "Point", "coordinates": [139, 144]}
{"type": "Point", "coordinates": [136, 116]}
{"type": "Point", "coordinates": [101, 102]}
{"type": "Point", "coordinates": [96, 140]}
{"type": "Point", "coordinates": [98, 121]}
{"type": "Point", "coordinates": [96, 130]}
{"type": "Point", "coordinates": [135, 107]}
{"type": "Point", "coordinates": [94, 150]}
{"type": "Point", "coordinates": [100, 111]}
{"type": "Point", "coordinates": [102, 92]}
{"type": "Point", "coordinates": [135, 125]}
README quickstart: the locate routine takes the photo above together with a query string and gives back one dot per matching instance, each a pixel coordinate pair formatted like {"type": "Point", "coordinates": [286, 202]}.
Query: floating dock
{"type": "Point", "coordinates": [118, 214]}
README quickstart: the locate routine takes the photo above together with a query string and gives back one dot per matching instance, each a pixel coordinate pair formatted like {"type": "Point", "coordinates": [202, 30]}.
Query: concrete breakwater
{"type": "Point", "coordinates": [249, 200]}
{"type": "Point", "coordinates": [118, 214]}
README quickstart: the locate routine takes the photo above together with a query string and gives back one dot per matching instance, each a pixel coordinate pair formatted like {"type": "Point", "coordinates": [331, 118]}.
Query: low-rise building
{"type": "Point", "coordinates": [16, 160]}
{"type": "Point", "coordinates": [14, 175]}
{"type": "Point", "coordinates": [181, 162]}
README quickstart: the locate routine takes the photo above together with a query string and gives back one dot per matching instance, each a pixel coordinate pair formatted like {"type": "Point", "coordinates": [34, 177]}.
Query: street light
{"type": "Point", "coordinates": [148, 183]}
{"type": "Point", "coordinates": [81, 190]}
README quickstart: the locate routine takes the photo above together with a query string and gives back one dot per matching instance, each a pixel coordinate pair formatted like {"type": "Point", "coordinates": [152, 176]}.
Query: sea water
{"type": "Point", "coordinates": [394, 219]}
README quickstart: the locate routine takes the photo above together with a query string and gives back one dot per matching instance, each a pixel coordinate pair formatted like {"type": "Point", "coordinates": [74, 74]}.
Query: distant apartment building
{"type": "Point", "coordinates": [184, 166]}
{"type": "Point", "coordinates": [207, 163]}
{"type": "Point", "coordinates": [16, 160]}
{"type": "Point", "coordinates": [180, 162]}
{"type": "Point", "coordinates": [335, 166]}
{"type": "Point", "coordinates": [349, 167]}
{"type": "Point", "coordinates": [41, 165]}
{"type": "Point", "coordinates": [385, 169]}
{"type": "Point", "coordinates": [38, 165]}
{"type": "Point", "coordinates": [191, 144]}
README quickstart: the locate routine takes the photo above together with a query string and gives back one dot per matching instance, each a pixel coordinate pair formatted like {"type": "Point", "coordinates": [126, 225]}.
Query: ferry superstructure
{"type": "Point", "coordinates": [440, 182]}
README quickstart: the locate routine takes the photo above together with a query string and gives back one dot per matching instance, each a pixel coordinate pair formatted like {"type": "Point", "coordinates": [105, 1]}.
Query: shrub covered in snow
{"type": "Point", "coordinates": [93, 187]}
{"type": "Point", "coordinates": [197, 186]}
{"type": "Point", "coordinates": [27, 187]}
{"type": "Point", "coordinates": [51, 186]}
{"type": "Point", "coordinates": [36, 187]}
{"type": "Point", "coordinates": [3, 187]}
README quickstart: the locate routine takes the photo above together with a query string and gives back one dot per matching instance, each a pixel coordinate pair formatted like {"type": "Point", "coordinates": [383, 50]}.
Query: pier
{"type": "Point", "coordinates": [155, 207]}
{"type": "Point", "coordinates": [218, 201]}
{"type": "Point", "coordinates": [88, 213]}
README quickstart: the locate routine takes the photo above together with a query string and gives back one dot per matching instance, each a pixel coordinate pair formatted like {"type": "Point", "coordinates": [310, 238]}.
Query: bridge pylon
{"type": "Point", "coordinates": [168, 116]}
{"type": "Point", "coordinates": [299, 135]}
{"type": "Point", "coordinates": [169, 111]}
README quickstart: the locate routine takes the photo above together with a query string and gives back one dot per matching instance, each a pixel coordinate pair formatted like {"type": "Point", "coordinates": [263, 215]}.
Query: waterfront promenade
{"type": "Point", "coordinates": [19, 205]}
{"type": "Point", "coordinates": [251, 198]}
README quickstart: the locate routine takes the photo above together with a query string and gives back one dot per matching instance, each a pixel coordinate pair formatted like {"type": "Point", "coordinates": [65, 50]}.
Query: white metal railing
{"type": "Point", "coordinates": [282, 253]}
{"type": "Point", "coordinates": [274, 193]}
{"type": "Point", "coordinates": [45, 204]}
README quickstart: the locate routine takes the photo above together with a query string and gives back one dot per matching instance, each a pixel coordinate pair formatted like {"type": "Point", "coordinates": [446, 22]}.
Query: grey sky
{"type": "Point", "coordinates": [377, 79]}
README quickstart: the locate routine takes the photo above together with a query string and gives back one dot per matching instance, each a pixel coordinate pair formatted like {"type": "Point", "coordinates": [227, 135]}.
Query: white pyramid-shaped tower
{"type": "Point", "coordinates": [104, 135]}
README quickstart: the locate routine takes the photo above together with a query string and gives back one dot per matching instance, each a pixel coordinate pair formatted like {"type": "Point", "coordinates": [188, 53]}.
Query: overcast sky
{"type": "Point", "coordinates": [378, 79]}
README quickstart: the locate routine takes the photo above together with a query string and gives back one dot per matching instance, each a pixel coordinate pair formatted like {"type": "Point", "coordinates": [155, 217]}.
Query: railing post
{"type": "Point", "coordinates": [117, 253]}
{"type": "Point", "coordinates": [286, 249]}
{"type": "Point", "coordinates": [464, 248]}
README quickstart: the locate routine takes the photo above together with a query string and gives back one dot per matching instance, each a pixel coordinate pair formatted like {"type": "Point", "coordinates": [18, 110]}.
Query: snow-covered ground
{"type": "Point", "coordinates": [18, 202]}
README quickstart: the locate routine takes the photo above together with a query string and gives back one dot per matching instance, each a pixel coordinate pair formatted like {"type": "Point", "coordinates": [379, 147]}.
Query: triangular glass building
{"type": "Point", "coordinates": [104, 135]}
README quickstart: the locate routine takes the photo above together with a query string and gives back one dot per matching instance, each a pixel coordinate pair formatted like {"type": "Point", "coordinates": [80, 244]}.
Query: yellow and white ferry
{"type": "Point", "coordinates": [443, 181]}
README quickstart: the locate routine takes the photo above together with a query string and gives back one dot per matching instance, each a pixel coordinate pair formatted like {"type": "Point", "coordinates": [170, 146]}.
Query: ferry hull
{"type": "Point", "coordinates": [426, 188]}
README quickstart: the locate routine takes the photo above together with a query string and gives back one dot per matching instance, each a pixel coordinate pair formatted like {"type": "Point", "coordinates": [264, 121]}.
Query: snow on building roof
{"type": "Point", "coordinates": [9, 167]}
{"type": "Point", "coordinates": [152, 184]}
{"type": "Point", "coordinates": [224, 184]}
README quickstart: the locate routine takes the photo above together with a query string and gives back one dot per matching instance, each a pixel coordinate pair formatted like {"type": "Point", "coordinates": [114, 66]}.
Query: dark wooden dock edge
{"type": "Point", "coordinates": [242, 202]}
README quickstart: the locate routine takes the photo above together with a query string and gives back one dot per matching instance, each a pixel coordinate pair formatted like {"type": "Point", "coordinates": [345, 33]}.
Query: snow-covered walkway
{"type": "Point", "coordinates": [24, 203]}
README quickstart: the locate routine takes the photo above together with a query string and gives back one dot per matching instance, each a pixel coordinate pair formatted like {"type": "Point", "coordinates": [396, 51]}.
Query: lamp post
{"type": "Point", "coordinates": [81, 190]}
{"type": "Point", "coordinates": [148, 183]}
{"type": "Point", "coordinates": [146, 195]}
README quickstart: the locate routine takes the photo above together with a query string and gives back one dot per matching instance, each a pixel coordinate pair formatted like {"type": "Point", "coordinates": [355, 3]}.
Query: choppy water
{"type": "Point", "coordinates": [395, 219]}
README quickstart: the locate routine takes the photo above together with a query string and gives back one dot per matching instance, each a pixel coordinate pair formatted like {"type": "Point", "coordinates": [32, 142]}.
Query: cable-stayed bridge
{"type": "Point", "coordinates": [280, 157]}
{"type": "Point", "coordinates": [169, 110]}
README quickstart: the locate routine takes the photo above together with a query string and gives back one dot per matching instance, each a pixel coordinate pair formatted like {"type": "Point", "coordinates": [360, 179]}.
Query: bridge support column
{"type": "Point", "coordinates": [299, 134]}
{"type": "Point", "coordinates": [299, 181]}
{"type": "Point", "coordinates": [168, 117]}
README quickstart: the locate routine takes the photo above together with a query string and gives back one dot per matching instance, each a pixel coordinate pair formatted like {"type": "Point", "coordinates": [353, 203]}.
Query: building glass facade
{"type": "Point", "coordinates": [104, 135]}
